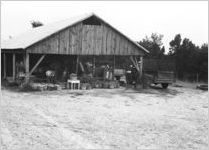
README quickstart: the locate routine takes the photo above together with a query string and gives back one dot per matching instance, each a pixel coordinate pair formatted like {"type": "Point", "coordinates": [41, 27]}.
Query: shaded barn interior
{"type": "Point", "coordinates": [60, 63]}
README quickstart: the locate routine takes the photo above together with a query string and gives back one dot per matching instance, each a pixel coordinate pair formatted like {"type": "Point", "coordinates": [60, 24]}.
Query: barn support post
{"type": "Point", "coordinates": [27, 76]}
{"type": "Point", "coordinates": [113, 67]}
{"type": "Point", "coordinates": [5, 71]}
{"type": "Point", "coordinates": [13, 66]}
{"type": "Point", "coordinates": [141, 66]}
{"type": "Point", "coordinates": [135, 63]}
{"type": "Point", "coordinates": [23, 58]}
{"type": "Point", "coordinates": [94, 62]}
{"type": "Point", "coordinates": [138, 65]}
{"type": "Point", "coordinates": [77, 63]}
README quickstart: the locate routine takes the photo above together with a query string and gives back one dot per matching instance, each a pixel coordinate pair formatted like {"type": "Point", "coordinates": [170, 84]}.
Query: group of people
{"type": "Point", "coordinates": [130, 77]}
{"type": "Point", "coordinates": [108, 73]}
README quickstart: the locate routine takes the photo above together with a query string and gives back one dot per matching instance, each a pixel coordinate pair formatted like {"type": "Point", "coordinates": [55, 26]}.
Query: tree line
{"type": "Point", "coordinates": [191, 61]}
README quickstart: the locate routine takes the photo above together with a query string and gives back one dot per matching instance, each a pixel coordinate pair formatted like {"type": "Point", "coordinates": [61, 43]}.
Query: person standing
{"type": "Point", "coordinates": [20, 71]}
{"type": "Point", "coordinates": [134, 75]}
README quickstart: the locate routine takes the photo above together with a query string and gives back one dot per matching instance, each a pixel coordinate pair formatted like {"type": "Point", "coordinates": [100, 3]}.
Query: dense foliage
{"type": "Point", "coordinates": [191, 61]}
{"type": "Point", "coordinates": [154, 45]}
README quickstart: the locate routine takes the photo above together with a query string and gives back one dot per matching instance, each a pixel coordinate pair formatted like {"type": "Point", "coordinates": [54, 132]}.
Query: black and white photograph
{"type": "Point", "coordinates": [104, 75]}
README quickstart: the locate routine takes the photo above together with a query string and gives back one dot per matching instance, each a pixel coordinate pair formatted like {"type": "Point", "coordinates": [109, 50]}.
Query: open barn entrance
{"type": "Point", "coordinates": [85, 67]}
{"type": "Point", "coordinates": [93, 65]}
{"type": "Point", "coordinates": [9, 65]}
{"type": "Point", "coordinates": [57, 63]}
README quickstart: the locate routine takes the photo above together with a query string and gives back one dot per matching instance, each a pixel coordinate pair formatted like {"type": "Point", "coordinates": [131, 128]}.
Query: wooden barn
{"type": "Point", "coordinates": [86, 38]}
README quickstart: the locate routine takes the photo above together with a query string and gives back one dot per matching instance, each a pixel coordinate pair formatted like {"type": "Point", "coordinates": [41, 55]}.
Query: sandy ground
{"type": "Point", "coordinates": [175, 118]}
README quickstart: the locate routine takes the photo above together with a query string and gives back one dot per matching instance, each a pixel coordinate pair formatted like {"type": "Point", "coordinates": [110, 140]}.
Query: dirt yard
{"type": "Point", "coordinates": [175, 118]}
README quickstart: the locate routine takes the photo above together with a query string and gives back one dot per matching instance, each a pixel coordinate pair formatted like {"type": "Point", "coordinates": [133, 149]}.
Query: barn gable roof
{"type": "Point", "coordinates": [35, 35]}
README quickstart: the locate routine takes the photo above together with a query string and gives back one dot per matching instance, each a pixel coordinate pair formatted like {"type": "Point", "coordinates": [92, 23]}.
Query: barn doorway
{"type": "Point", "coordinates": [57, 63]}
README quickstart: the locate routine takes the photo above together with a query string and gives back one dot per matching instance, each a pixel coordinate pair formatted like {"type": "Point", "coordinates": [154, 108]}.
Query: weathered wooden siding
{"type": "Point", "coordinates": [86, 40]}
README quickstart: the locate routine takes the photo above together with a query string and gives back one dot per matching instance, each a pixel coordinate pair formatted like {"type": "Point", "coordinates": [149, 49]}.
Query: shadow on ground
{"type": "Point", "coordinates": [128, 91]}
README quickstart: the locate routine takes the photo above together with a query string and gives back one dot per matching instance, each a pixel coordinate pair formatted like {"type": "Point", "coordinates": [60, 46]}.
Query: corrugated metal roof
{"type": "Point", "coordinates": [35, 35]}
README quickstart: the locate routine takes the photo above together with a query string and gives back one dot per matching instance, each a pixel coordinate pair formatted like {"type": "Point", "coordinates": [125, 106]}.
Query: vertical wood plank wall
{"type": "Point", "coordinates": [83, 39]}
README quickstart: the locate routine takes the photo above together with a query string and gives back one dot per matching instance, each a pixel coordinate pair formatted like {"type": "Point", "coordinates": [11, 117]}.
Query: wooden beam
{"type": "Point", "coordinates": [9, 51]}
{"type": "Point", "coordinates": [23, 58]}
{"type": "Point", "coordinates": [77, 62]}
{"type": "Point", "coordinates": [13, 65]}
{"type": "Point", "coordinates": [36, 65]}
{"type": "Point", "coordinates": [141, 66]}
{"type": "Point", "coordinates": [113, 66]}
{"type": "Point", "coordinates": [94, 62]}
{"type": "Point", "coordinates": [27, 76]}
{"type": "Point", "coordinates": [135, 63]}
{"type": "Point", "coordinates": [5, 71]}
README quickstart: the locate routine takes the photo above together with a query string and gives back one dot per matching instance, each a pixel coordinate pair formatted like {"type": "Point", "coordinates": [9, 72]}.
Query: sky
{"type": "Point", "coordinates": [136, 19]}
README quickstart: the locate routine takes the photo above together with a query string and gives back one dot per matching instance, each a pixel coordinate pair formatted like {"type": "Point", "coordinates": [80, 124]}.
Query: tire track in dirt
{"type": "Point", "coordinates": [69, 138]}
{"type": "Point", "coordinates": [26, 126]}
